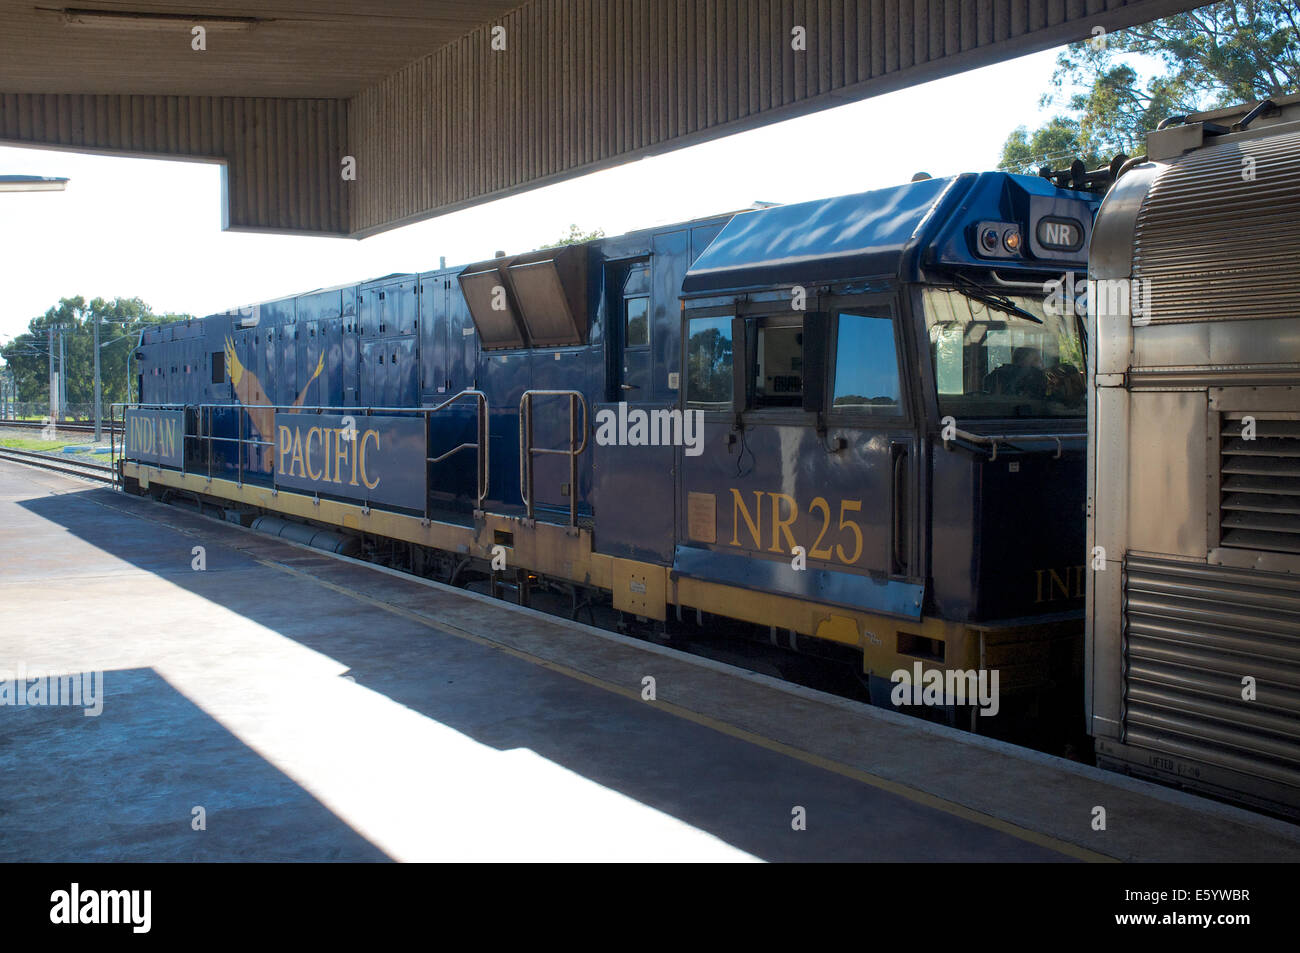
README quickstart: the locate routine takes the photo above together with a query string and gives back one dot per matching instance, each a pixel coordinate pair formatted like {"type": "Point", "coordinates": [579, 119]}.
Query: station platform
{"type": "Point", "coordinates": [284, 704]}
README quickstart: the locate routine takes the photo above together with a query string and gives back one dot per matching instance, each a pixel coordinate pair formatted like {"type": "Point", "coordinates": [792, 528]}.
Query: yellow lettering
{"type": "Point", "coordinates": [1072, 586]}
{"type": "Point", "coordinates": [355, 454]}
{"type": "Point", "coordinates": [819, 503]}
{"type": "Point", "coordinates": [295, 464]}
{"type": "Point", "coordinates": [306, 456]}
{"type": "Point", "coordinates": [286, 444]}
{"type": "Point", "coordinates": [738, 509]}
{"type": "Point", "coordinates": [853, 506]}
{"type": "Point", "coordinates": [782, 526]}
{"type": "Point", "coordinates": [362, 454]}
{"type": "Point", "coordinates": [340, 455]}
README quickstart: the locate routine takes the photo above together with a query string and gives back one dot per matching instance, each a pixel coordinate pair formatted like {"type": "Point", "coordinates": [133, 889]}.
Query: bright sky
{"type": "Point", "coordinates": [134, 227]}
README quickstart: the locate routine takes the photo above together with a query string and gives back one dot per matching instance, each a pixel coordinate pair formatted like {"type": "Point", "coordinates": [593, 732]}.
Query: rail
{"type": "Point", "coordinates": [70, 425]}
{"type": "Point", "coordinates": [527, 451]}
{"type": "Point", "coordinates": [992, 440]}
{"type": "Point", "coordinates": [61, 464]}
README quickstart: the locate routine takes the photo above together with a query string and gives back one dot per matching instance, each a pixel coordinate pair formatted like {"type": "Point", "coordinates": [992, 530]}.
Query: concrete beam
{"type": "Point", "coordinates": [549, 90]}
{"type": "Point", "coordinates": [586, 84]}
{"type": "Point", "coordinates": [280, 157]}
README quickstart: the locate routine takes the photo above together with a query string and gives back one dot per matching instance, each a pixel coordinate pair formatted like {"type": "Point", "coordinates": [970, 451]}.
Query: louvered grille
{"type": "Point", "coordinates": [1259, 485]}
{"type": "Point", "coordinates": [1216, 237]}
{"type": "Point", "coordinates": [1193, 633]}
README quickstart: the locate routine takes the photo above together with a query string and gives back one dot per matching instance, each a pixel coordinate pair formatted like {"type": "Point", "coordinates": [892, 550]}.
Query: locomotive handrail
{"type": "Point", "coordinates": [112, 447]}
{"type": "Point", "coordinates": [204, 412]}
{"type": "Point", "coordinates": [483, 444]}
{"type": "Point", "coordinates": [1007, 283]}
{"type": "Point", "coordinates": [992, 440]}
{"type": "Point", "coordinates": [527, 451]}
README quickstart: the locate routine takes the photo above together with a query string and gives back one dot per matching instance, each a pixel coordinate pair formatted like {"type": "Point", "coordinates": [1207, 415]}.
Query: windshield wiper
{"type": "Point", "coordinates": [992, 299]}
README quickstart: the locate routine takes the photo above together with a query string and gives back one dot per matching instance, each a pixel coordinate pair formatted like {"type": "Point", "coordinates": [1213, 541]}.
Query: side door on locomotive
{"type": "Point", "coordinates": [627, 287]}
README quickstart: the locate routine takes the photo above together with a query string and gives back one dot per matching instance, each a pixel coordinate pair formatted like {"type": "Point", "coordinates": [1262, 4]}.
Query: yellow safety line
{"type": "Point", "coordinates": [818, 761]}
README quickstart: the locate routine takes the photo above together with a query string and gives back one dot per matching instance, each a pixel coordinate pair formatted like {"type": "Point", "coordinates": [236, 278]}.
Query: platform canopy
{"type": "Point", "coordinates": [440, 104]}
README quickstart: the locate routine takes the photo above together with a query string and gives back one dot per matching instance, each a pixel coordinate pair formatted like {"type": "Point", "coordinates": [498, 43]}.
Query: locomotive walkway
{"type": "Point", "coordinates": [284, 704]}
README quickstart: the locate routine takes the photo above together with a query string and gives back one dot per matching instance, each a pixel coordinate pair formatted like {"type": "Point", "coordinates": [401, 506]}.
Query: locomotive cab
{"type": "Point", "coordinates": [892, 392]}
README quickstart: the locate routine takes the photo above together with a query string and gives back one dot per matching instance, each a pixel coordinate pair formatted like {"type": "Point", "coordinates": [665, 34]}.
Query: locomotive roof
{"type": "Point", "coordinates": [862, 235]}
{"type": "Point", "coordinates": [868, 234]}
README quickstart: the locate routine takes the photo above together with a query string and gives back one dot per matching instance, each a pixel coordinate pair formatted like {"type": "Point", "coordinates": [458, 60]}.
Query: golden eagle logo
{"type": "Point", "coordinates": [250, 392]}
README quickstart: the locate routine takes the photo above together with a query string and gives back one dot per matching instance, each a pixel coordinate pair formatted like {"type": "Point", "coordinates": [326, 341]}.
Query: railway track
{"type": "Point", "coordinates": [59, 463]}
{"type": "Point", "coordinates": [74, 427]}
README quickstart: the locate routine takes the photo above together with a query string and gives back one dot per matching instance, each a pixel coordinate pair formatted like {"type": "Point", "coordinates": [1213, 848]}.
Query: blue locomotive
{"type": "Point", "coordinates": [858, 421]}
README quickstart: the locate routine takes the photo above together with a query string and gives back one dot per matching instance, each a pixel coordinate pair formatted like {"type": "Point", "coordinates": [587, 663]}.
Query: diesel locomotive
{"type": "Point", "coordinates": [854, 422]}
{"type": "Point", "coordinates": [1193, 672]}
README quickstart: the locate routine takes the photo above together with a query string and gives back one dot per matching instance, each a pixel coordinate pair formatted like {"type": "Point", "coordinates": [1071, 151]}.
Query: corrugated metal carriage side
{"type": "Point", "coordinates": [1194, 624]}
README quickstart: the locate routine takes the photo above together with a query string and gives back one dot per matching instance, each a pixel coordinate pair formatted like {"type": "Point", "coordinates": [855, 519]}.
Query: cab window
{"type": "Point", "coordinates": [709, 361]}
{"type": "Point", "coordinates": [992, 364]}
{"type": "Point", "coordinates": [866, 365]}
{"type": "Point", "coordinates": [636, 322]}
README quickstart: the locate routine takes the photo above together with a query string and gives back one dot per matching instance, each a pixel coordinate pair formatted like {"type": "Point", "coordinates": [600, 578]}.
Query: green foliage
{"type": "Point", "coordinates": [576, 236]}
{"type": "Point", "coordinates": [1224, 53]}
{"type": "Point", "coordinates": [121, 321]}
{"type": "Point", "coordinates": [1218, 55]}
{"type": "Point", "coordinates": [1056, 144]}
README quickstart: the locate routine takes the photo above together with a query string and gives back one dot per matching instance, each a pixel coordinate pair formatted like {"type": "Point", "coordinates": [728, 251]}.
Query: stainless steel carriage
{"type": "Point", "coordinates": [1193, 639]}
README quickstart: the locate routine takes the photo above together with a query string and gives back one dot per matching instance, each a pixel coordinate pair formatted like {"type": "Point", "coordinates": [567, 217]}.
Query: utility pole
{"type": "Point", "coordinates": [57, 389]}
{"type": "Point", "coordinates": [63, 377]}
{"type": "Point", "coordinates": [54, 383]}
{"type": "Point", "coordinates": [99, 407]}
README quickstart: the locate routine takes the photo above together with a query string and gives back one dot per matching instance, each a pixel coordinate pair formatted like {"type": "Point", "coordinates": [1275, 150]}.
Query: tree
{"type": "Point", "coordinates": [1218, 55]}
{"type": "Point", "coordinates": [1055, 144]}
{"type": "Point", "coordinates": [121, 321]}
{"type": "Point", "coordinates": [576, 236]}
